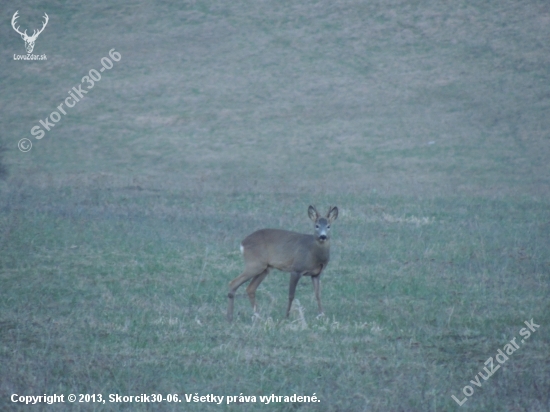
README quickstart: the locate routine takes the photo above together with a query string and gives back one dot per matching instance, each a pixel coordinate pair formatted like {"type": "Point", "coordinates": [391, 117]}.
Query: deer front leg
{"type": "Point", "coordinates": [316, 280]}
{"type": "Point", "coordinates": [294, 278]}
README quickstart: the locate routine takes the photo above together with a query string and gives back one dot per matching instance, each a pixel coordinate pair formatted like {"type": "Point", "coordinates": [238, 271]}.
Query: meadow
{"type": "Point", "coordinates": [427, 123]}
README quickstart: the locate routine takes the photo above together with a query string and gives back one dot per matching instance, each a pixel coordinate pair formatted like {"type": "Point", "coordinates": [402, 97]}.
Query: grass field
{"type": "Point", "coordinates": [427, 123]}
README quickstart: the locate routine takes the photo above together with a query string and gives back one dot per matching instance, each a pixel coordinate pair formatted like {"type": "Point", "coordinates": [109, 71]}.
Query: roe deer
{"type": "Point", "coordinates": [299, 254]}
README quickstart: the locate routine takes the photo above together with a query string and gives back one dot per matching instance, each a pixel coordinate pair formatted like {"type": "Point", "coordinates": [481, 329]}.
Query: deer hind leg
{"type": "Point", "coordinates": [294, 278]}
{"type": "Point", "coordinates": [249, 272]}
{"type": "Point", "coordinates": [316, 280]}
{"type": "Point", "coordinates": [252, 286]}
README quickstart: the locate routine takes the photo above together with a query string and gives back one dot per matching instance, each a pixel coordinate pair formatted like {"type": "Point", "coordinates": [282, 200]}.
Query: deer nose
{"type": "Point", "coordinates": [323, 237]}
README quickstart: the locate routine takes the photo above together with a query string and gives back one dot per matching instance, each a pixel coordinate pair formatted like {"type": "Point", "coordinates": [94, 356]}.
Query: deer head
{"type": "Point", "coordinates": [29, 40]}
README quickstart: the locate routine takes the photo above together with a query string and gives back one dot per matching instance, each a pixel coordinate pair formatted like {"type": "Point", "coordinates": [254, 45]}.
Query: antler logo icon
{"type": "Point", "coordinates": [29, 40]}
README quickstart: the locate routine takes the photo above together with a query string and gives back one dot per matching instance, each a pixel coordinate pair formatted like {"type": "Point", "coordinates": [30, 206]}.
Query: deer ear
{"type": "Point", "coordinates": [312, 213]}
{"type": "Point", "coordinates": [332, 214]}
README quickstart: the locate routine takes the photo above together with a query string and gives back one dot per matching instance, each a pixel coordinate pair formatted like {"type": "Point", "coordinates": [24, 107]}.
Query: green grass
{"type": "Point", "coordinates": [425, 123]}
{"type": "Point", "coordinates": [132, 299]}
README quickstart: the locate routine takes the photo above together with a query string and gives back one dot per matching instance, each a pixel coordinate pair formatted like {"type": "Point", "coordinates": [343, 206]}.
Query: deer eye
{"type": "Point", "coordinates": [316, 226]}
{"type": "Point", "coordinates": [328, 227]}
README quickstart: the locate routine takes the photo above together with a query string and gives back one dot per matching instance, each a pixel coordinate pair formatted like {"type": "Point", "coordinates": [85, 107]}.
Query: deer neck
{"type": "Point", "coordinates": [322, 250]}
